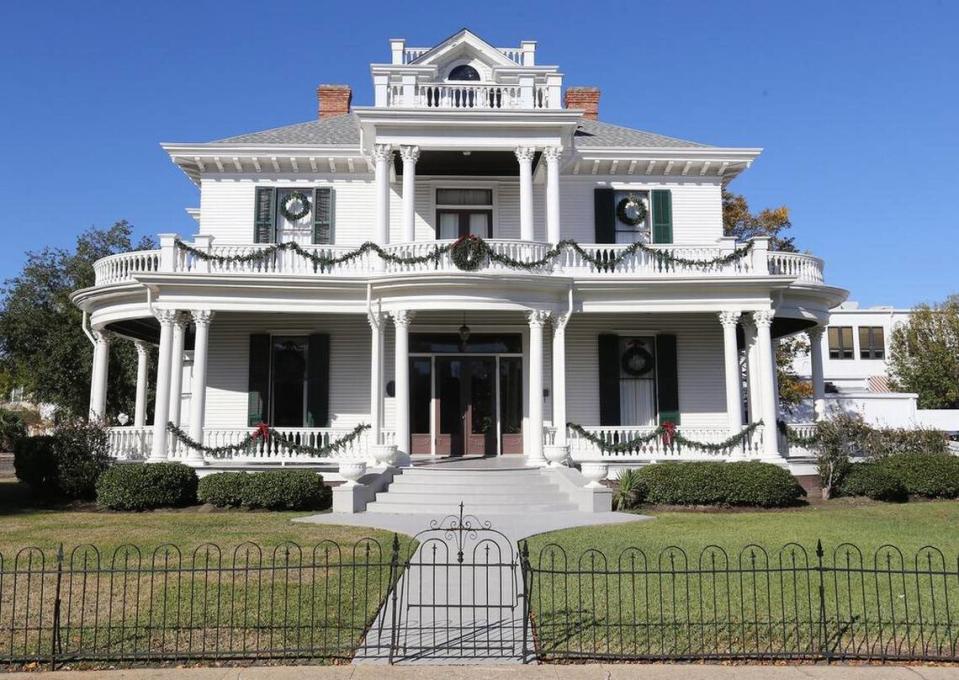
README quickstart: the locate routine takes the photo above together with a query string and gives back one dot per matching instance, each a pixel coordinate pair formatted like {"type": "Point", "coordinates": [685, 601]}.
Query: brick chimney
{"type": "Point", "coordinates": [585, 98]}
{"type": "Point", "coordinates": [333, 100]}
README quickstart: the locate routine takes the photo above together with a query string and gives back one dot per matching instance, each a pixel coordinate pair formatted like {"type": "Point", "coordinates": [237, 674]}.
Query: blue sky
{"type": "Point", "coordinates": [854, 102]}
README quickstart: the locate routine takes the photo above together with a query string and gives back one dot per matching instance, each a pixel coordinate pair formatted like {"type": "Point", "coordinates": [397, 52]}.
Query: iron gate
{"type": "Point", "coordinates": [457, 594]}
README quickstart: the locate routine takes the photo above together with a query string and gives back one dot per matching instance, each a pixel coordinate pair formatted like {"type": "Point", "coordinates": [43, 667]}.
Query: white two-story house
{"type": "Point", "coordinates": [466, 266]}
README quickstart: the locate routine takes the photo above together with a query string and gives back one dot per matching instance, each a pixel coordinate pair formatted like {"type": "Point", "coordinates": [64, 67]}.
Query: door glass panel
{"type": "Point", "coordinates": [479, 224]}
{"type": "Point", "coordinates": [289, 381]}
{"type": "Point", "coordinates": [421, 375]}
{"type": "Point", "coordinates": [482, 385]}
{"type": "Point", "coordinates": [511, 394]}
{"type": "Point", "coordinates": [448, 388]}
{"type": "Point", "coordinates": [449, 225]}
{"type": "Point", "coordinates": [479, 343]}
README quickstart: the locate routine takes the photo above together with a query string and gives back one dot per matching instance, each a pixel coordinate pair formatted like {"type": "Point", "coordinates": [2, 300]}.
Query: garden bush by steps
{"type": "Point", "coordinates": [66, 464]}
{"type": "Point", "coordinates": [874, 481]}
{"type": "Point", "coordinates": [931, 475]}
{"type": "Point", "coordinates": [145, 486]}
{"type": "Point", "coordinates": [268, 490]}
{"type": "Point", "coordinates": [706, 483]}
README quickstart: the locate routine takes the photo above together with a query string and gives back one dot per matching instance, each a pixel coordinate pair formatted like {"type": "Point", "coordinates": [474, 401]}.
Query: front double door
{"type": "Point", "coordinates": [466, 401]}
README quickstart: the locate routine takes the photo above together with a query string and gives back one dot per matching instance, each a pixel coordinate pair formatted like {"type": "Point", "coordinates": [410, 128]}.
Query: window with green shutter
{"type": "Point", "coordinates": [662, 216]}
{"type": "Point", "coordinates": [323, 214]}
{"type": "Point", "coordinates": [264, 230]}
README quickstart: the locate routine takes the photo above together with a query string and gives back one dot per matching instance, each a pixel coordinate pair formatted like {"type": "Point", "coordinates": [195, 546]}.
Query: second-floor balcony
{"type": "Point", "coordinates": [204, 257]}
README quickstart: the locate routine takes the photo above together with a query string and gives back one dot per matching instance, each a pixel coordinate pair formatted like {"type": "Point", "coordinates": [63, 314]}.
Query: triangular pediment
{"type": "Point", "coordinates": [460, 46]}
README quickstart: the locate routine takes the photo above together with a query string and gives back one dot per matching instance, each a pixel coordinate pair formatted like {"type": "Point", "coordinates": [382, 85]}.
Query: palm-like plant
{"type": "Point", "coordinates": [629, 492]}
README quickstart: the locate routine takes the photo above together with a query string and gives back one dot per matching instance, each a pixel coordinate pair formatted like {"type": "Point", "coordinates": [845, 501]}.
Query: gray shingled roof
{"type": "Point", "coordinates": [339, 130]}
{"type": "Point", "coordinates": [593, 133]}
{"type": "Point", "coordinates": [345, 131]}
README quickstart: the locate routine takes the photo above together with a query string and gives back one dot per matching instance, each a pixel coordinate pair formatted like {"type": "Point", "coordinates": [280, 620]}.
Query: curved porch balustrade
{"type": "Point", "coordinates": [642, 263]}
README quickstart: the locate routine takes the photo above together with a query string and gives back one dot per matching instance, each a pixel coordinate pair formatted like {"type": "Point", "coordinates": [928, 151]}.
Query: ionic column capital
{"type": "Point", "coordinates": [403, 317]}
{"type": "Point", "coordinates": [537, 317]}
{"type": "Point", "coordinates": [143, 348]}
{"type": "Point", "coordinates": [166, 317]}
{"type": "Point", "coordinates": [814, 334]}
{"type": "Point", "coordinates": [382, 152]}
{"type": "Point", "coordinates": [102, 336]}
{"type": "Point", "coordinates": [525, 154]}
{"type": "Point", "coordinates": [202, 317]}
{"type": "Point", "coordinates": [409, 154]}
{"type": "Point", "coordinates": [763, 318]}
{"type": "Point", "coordinates": [560, 321]}
{"type": "Point", "coordinates": [181, 320]}
{"type": "Point", "coordinates": [553, 153]}
{"type": "Point", "coordinates": [729, 319]}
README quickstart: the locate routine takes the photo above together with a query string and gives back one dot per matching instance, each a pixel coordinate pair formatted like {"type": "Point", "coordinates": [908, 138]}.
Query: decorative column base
{"type": "Point", "coordinates": [556, 454]}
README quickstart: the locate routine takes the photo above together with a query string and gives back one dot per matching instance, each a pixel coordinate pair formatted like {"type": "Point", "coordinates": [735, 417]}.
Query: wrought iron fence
{"type": "Point", "coordinates": [249, 602]}
{"type": "Point", "coordinates": [752, 605]}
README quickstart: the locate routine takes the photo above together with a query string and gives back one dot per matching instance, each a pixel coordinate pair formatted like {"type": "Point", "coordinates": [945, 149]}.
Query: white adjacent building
{"type": "Point", "coordinates": [561, 318]}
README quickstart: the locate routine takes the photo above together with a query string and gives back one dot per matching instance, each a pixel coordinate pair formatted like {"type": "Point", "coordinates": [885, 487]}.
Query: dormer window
{"type": "Point", "coordinates": [464, 72]}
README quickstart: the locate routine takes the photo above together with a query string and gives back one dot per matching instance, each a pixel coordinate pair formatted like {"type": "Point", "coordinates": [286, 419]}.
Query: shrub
{"type": "Point", "coordinates": [883, 442]}
{"type": "Point", "coordinates": [286, 490]}
{"type": "Point", "coordinates": [144, 486]}
{"type": "Point", "coordinates": [706, 483]}
{"type": "Point", "coordinates": [630, 490]}
{"type": "Point", "coordinates": [65, 464]}
{"type": "Point", "coordinates": [223, 489]}
{"type": "Point", "coordinates": [12, 429]}
{"type": "Point", "coordinates": [763, 485]}
{"type": "Point", "coordinates": [876, 482]}
{"type": "Point", "coordinates": [925, 474]}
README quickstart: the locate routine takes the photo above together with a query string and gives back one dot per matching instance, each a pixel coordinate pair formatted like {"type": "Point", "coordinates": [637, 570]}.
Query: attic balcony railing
{"type": "Point", "coordinates": [525, 95]}
{"type": "Point", "coordinates": [123, 267]}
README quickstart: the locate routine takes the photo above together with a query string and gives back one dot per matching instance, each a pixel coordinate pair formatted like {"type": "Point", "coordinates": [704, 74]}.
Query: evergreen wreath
{"type": "Point", "coordinates": [292, 213]}
{"type": "Point", "coordinates": [631, 356]}
{"type": "Point", "coordinates": [674, 436]}
{"type": "Point", "coordinates": [638, 207]}
{"type": "Point", "coordinates": [264, 432]}
{"type": "Point", "coordinates": [469, 253]}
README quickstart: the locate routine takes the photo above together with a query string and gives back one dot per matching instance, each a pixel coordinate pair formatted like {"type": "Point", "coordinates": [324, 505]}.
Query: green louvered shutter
{"type": "Point", "coordinates": [323, 215]}
{"type": "Point", "coordinates": [662, 216]}
{"type": "Point", "coordinates": [667, 378]}
{"type": "Point", "coordinates": [318, 381]}
{"type": "Point", "coordinates": [258, 395]}
{"type": "Point", "coordinates": [604, 212]}
{"type": "Point", "coordinates": [264, 227]}
{"type": "Point", "coordinates": [609, 413]}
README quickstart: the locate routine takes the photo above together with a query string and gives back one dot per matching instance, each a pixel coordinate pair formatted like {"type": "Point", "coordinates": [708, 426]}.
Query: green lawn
{"type": "Point", "coordinates": [301, 590]}
{"type": "Point", "coordinates": [656, 588]}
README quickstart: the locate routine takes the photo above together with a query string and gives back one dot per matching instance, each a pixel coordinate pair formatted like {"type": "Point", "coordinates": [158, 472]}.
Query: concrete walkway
{"type": "Point", "coordinates": [557, 672]}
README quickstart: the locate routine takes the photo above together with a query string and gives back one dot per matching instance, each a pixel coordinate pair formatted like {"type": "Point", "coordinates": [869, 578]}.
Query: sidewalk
{"type": "Point", "coordinates": [564, 672]}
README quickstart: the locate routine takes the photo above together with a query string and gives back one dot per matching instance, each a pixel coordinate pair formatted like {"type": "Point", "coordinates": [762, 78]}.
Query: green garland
{"type": "Point", "coordinates": [469, 253]}
{"type": "Point", "coordinates": [476, 245]}
{"type": "Point", "coordinates": [292, 215]}
{"type": "Point", "coordinates": [793, 438]}
{"type": "Point", "coordinates": [247, 443]}
{"type": "Point", "coordinates": [624, 216]}
{"type": "Point", "coordinates": [677, 438]}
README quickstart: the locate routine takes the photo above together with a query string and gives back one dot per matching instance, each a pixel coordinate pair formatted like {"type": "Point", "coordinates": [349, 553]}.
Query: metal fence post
{"type": "Point", "coordinates": [823, 633]}
{"type": "Point", "coordinates": [394, 584]}
{"type": "Point", "coordinates": [55, 633]}
{"type": "Point", "coordinates": [527, 575]}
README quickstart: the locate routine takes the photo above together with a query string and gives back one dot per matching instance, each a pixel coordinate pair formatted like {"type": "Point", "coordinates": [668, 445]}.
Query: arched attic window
{"type": "Point", "coordinates": [464, 72]}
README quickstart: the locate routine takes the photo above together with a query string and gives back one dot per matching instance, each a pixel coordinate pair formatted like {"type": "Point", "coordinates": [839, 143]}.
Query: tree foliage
{"type": "Point", "coordinates": [793, 390]}
{"type": "Point", "coordinates": [924, 355]}
{"type": "Point", "coordinates": [741, 222]}
{"type": "Point", "coordinates": [42, 344]}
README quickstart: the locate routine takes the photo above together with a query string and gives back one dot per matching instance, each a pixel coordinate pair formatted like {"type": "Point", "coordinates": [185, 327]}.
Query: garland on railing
{"type": "Point", "coordinates": [669, 434]}
{"type": "Point", "coordinates": [469, 253]}
{"type": "Point", "coordinates": [797, 439]}
{"type": "Point", "coordinates": [264, 432]}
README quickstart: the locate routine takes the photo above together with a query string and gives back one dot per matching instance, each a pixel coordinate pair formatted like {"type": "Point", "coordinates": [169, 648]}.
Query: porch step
{"type": "Point", "coordinates": [439, 492]}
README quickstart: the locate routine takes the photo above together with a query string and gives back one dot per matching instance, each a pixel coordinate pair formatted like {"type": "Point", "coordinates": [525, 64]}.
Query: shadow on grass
{"type": "Point", "coordinates": [16, 498]}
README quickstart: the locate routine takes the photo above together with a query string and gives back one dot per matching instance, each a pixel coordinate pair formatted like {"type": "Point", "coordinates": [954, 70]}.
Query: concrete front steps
{"type": "Point", "coordinates": [435, 491]}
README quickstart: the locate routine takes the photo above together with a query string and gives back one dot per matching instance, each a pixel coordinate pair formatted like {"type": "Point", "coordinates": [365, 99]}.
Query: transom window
{"type": "Point", "coordinates": [461, 212]}
{"type": "Point", "coordinates": [872, 343]}
{"type": "Point", "coordinates": [464, 72]}
{"type": "Point", "coordinates": [840, 342]}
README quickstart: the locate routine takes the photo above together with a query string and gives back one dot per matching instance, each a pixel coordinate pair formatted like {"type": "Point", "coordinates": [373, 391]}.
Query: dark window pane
{"type": "Point", "coordinates": [464, 72]}
{"type": "Point", "coordinates": [289, 381]}
{"type": "Point", "coordinates": [511, 394]}
{"type": "Point", "coordinates": [464, 197]}
{"type": "Point", "coordinates": [421, 379]}
{"type": "Point", "coordinates": [478, 343]}
{"type": "Point", "coordinates": [840, 342]}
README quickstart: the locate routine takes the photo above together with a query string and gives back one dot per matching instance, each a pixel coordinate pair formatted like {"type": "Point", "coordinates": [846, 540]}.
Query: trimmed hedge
{"type": "Point", "coordinates": [268, 490]}
{"type": "Point", "coordinates": [876, 482]}
{"type": "Point", "coordinates": [145, 486]}
{"type": "Point", "coordinates": [706, 483]}
{"type": "Point", "coordinates": [925, 474]}
{"type": "Point", "coordinates": [35, 463]}
{"type": "Point", "coordinates": [66, 464]}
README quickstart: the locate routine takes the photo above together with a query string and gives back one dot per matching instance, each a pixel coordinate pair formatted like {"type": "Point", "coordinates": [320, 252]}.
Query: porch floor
{"type": "Point", "coordinates": [471, 462]}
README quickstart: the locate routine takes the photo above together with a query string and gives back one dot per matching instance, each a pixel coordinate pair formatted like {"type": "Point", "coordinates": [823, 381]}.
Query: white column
{"type": "Point", "coordinates": [534, 436]}
{"type": "Point", "coordinates": [101, 374]}
{"type": "Point", "coordinates": [143, 358]}
{"type": "Point", "coordinates": [410, 155]}
{"type": "Point", "coordinates": [752, 370]}
{"type": "Point", "coordinates": [763, 320]}
{"type": "Point", "coordinates": [559, 377]}
{"type": "Point", "coordinates": [176, 368]}
{"type": "Point", "coordinates": [383, 156]}
{"type": "Point", "coordinates": [553, 231]}
{"type": "Point", "coordinates": [524, 154]}
{"type": "Point", "coordinates": [201, 345]}
{"type": "Point", "coordinates": [401, 321]}
{"type": "Point", "coordinates": [161, 410]}
{"type": "Point", "coordinates": [376, 376]}
{"type": "Point", "coordinates": [734, 394]}
{"type": "Point", "coordinates": [815, 365]}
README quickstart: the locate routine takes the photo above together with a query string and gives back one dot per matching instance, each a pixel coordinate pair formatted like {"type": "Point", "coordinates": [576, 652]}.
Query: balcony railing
{"type": "Point", "coordinates": [581, 449]}
{"type": "Point", "coordinates": [471, 96]}
{"type": "Point", "coordinates": [124, 267]}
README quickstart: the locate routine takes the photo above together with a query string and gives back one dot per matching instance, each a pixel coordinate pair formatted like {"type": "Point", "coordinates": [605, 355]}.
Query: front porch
{"type": "Point", "coordinates": [487, 383]}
